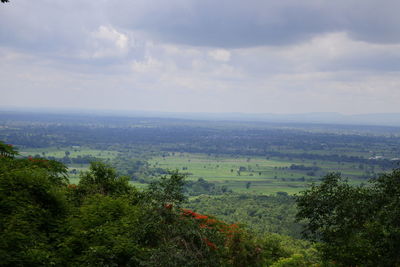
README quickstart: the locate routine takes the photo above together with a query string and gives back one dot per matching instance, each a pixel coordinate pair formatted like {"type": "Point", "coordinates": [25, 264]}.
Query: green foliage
{"type": "Point", "coordinates": [356, 225]}
{"type": "Point", "coordinates": [137, 169]}
{"type": "Point", "coordinates": [55, 171]}
{"type": "Point", "coordinates": [279, 250]}
{"type": "Point", "coordinates": [102, 179]}
{"type": "Point", "coordinates": [167, 190]}
{"type": "Point", "coordinates": [103, 221]}
{"type": "Point", "coordinates": [261, 214]}
{"type": "Point", "coordinates": [201, 186]}
{"type": "Point", "coordinates": [7, 150]}
{"type": "Point", "coordinates": [104, 232]}
{"type": "Point", "coordinates": [296, 260]}
{"type": "Point", "coordinates": [33, 209]}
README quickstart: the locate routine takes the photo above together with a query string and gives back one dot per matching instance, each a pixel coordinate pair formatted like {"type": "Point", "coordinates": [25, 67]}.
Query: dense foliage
{"type": "Point", "coordinates": [356, 225]}
{"type": "Point", "coordinates": [104, 221]}
{"type": "Point", "coordinates": [261, 214]}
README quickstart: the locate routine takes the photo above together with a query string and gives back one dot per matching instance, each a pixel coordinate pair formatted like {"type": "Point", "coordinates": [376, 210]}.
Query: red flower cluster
{"type": "Point", "coordinates": [192, 214]}
{"type": "Point", "coordinates": [209, 243]}
{"type": "Point", "coordinates": [207, 222]}
{"type": "Point", "coordinates": [230, 230]}
{"type": "Point", "coordinates": [189, 213]}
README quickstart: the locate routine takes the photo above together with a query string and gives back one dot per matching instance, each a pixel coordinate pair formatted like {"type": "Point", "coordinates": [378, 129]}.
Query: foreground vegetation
{"type": "Point", "coordinates": [259, 213]}
{"type": "Point", "coordinates": [105, 221]}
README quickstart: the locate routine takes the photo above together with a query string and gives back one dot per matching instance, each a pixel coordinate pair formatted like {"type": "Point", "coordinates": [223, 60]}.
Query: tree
{"type": "Point", "coordinates": [7, 150]}
{"type": "Point", "coordinates": [167, 190]}
{"type": "Point", "coordinates": [102, 179]}
{"type": "Point", "coordinates": [356, 225]}
{"type": "Point", "coordinates": [248, 184]}
{"type": "Point", "coordinates": [33, 209]}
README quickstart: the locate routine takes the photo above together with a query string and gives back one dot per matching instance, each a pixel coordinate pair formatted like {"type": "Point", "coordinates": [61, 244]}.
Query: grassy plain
{"type": "Point", "coordinates": [73, 152]}
{"type": "Point", "coordinates": [241, 174]}
{"type": "Point", "coordinates": [252, 174]}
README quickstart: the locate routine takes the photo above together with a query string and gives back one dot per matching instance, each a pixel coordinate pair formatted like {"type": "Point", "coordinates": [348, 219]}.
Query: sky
{"type": "Point", "coordinates": [253, 56]}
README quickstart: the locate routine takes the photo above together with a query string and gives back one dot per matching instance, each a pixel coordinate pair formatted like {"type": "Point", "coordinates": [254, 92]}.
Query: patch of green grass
{"type": "Point", "coordinates": [73, 180]}
{"type": "Point", "coordinates": [251, 175]}
{"type": "Point", "coordinates": [73, 152]}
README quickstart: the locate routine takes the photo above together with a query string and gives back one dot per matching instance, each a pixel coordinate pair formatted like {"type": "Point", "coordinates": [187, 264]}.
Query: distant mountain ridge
{"type": "Point", "coordinates": [373, 119]}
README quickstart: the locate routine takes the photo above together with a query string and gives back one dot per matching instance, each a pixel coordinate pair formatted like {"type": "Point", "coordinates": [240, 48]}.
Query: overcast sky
{"type": "Point", "coordinates": [253, 56]}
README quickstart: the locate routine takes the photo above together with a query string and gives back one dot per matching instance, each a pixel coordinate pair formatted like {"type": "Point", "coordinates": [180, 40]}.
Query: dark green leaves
{"type": "Point", "coordinates": [168, 189]}
{"type": "Point", "coordinates": [356, 225]}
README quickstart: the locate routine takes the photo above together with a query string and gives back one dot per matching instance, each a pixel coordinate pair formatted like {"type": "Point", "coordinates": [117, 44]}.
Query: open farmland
{"type": "Point", "coordinates": [253, 174]}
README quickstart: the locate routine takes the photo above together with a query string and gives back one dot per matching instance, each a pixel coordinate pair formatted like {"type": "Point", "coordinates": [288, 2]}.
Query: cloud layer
{"type": "Point", "coordinates": [185, 55]}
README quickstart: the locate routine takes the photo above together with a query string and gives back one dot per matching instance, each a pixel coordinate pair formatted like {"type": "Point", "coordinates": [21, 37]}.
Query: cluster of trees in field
{"type": "Point", "coordinates": [137, 169]}
{"type": "Point", "coordinates": [203, 187]}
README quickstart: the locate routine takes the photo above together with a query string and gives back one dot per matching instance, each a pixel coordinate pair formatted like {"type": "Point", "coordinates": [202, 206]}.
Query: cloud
{"type": "Point", "coordinates": [186, 55]}
{"type": "Point", "coordinates": [234, 23]}
{"type": "Point", "coordinates": [107, 42]}
{"type": "Point", "coordinates": [150, 64]}
{"type": "Point", "coordinates": [220, 55]}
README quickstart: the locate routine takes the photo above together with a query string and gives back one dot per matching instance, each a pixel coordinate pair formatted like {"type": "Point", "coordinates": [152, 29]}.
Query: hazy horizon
{"type": "Point", "coordinates": [328, 118]}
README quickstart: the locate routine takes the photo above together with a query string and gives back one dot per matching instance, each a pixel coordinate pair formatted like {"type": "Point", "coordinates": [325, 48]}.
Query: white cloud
{"type": "Point", "coordinates": [220, 55]}
{"type": "Point", "coordinates": [107, 42]}
{"type": "Point", "coordinates": [150, 64]}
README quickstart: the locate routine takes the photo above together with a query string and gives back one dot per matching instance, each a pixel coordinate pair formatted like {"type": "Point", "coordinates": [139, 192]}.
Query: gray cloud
{"type": "Point", "coordinates": [63, 25]}
{"type": "Point", "coordinates": [186, 55]}
{"type": "Point", "coordinates": [235, 23]}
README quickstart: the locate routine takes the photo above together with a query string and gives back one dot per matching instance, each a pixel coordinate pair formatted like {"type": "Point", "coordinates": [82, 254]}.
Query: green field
{"type": "Point", "coordinates": [251, 175]}
{"type": "Point", "coordinates": [240, 174]}
{"type": "Point", "coordinates": [73, 152]}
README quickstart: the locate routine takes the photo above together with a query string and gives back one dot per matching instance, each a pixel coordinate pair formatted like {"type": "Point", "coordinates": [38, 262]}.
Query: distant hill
{"type": "Point", "coordinates": [376, 119]}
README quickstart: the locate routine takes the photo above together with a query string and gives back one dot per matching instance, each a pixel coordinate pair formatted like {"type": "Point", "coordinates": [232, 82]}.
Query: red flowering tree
{"type": "Point", "coordinates": [230, 241]}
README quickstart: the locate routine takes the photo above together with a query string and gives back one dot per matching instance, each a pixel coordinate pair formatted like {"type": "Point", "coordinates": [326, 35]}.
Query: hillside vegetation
{"type": "Point", "coordinates": [105, 221]}
{"type": "Point", "coordinates": [114, 191]}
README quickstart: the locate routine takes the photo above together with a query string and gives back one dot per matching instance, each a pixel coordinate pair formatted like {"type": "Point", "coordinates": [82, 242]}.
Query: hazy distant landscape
{"type": "Point", "coordinates": [242, 156]}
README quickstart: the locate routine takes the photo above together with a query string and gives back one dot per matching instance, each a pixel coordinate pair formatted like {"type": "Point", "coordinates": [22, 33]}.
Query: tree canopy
{"type": "Point", "coordinates": [356, 225]}
{"type": "Point", "coordinates": [104, 221]}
